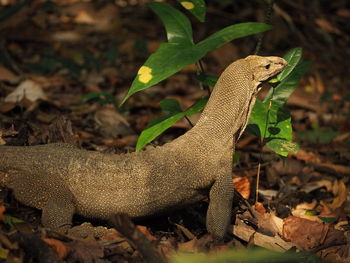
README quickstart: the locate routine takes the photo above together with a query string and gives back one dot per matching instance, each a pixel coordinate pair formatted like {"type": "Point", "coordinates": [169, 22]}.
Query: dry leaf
{"type": "Point", "coordinates": [100, 20]}
{"type": "Point", "coordinates": [309, 234]}
{"type": "Point", "coordinates": [6, 107]}
{"type": "Point", "coordinates": [326, 25]}
{"type": "Point", "coordinates": [268, 194]}
{"type": "Point", "coordinates": [111, 123]}
{"type": "Point", "coordinates": [340, 196]}
{"type": "Point", "coordinates": [242, 185]}
{"type": "Point", "coordinates": [186, 232]}
{"type": "Point", "coordinates": [59, 247]}
{"type": "Point", "coordinates": [342, 169]}
{"type": "Point", "coordinates": [189, 246]}
{"type": "Point", "coordinates": [66, 36]}
{"type": "Point", "coordinates": [145, 231]}
{"type": "Point", "coordinates": [2, 210]}
{"type": "Point", "coordinates": [111, 236]}
{"type": "Point", "coordinates": [259, 207]}
{"type": "Point", "coordinates": [29, 90]}
{"type": "Point", "coordinates": [301, 209]}
{"type": "Point", "coordinates": [7, 75]}
{"type": "Point", "coordinates": [343, 12]}
{"type": "Point", "coordinates": [307, 156]}
{"type": "Point", "coordinates": [85, 252]}
{"type": "Point", "coordinates": [274, 243]}
{"type": "Point", "coordinates": [316, 82]}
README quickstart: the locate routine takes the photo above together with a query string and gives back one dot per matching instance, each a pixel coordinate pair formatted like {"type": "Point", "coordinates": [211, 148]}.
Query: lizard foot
{"type": "Point", "coordinates": [86, 229]}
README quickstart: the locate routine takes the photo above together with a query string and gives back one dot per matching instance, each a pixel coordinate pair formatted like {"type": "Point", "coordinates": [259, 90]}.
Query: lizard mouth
{"type": "Point", "coordinates": [259, 86]}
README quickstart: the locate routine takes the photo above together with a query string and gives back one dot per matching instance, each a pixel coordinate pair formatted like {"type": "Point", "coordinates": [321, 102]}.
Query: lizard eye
{"type": "Point", "coordinates": [267, 66]}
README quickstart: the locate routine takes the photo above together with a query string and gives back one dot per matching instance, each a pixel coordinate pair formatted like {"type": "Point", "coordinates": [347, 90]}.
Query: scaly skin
{"type": "Point", "coordinates": [62, 180]}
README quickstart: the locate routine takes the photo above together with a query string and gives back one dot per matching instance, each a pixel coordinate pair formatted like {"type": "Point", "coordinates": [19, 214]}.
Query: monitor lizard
{"type": "Point", "coordinates": [62, 180]}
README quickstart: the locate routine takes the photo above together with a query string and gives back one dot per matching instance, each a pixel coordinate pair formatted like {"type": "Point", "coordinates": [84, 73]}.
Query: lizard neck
{"type": "Point", "coordinates": [227, 110]}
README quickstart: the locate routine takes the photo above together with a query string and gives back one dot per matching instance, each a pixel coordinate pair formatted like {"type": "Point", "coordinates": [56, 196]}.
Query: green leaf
{"type": "Point", "coordinates": [166, 61]}
{"type": "Point", "coordinates": [317, 135]}
{"type": "Point", "coordinates": [101, 96]}
{"type": "Point", "coordinates": [170, 106]}
{"type": "Point", "coordinates": [328, 220]}
{"type": "Point", "coordinates": [230, 33]}
{"type": "Point", "coordinates": [278, 129]}
{"type": "Point", "coordinates": [282, 146]}
{"type": "Point", "coordinates": [310, 212]}
{"type": "Point", "coordinates": [284, 89]}
{"type": "Point", "coordinates": [196, 7]}
{"type": "Point", "coordinates": [150, 133]}
{"type": "Point", "coordinates": [197, 107]}
{"type": "Point", "coordinates": [206, 79]}
{"type": "Point", "coordinates": [256, 255]}
{"type": "Point", "coordinates": [159, 125]}
{"type": "Point", "coordinates": [172, 57]}
{"type": "Point", "coordinates": [177, 25]}
{"type": "Point", "coordinates": [293, 57]}
{"type": "Point", "coordinates": [52, 62]}
{"type": "Point", "coordinates": [11, 220]}
{"type": "Point", "coordinates": [276, 121]}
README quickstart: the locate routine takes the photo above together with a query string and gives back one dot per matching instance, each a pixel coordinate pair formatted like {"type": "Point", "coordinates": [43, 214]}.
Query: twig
{"type": "Point", "coordinates": [10, 60]}
{"type": "Point", "coordinates": [123, 225]}
{"type": "Point", "coordinates": [262, 144]}
{"type": "Point", "coordinates": [245, 201]}
{"type": "Point", "coordinates": [267, 20]}
{"type": "Point", "coordinates": [189, 121]}
{"type": "Point", "coordinates": [321, 247]}
{"type": "Point", "coordinates": [200, 70]}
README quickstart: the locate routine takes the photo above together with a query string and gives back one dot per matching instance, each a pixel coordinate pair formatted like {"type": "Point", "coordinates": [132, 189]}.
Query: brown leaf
{"type": "Point", "coordinates": [7, 75]}
{"type": "Point", "coordinates": [242, 185]}
{"type": "Point", "coordinates": [307, 156]}
{"type": "Point", "coordinates": [189, 246]}
{"type": "Point", "coordinates": [85, 252]}
{"type": "Point", "coordinates": [7, 106]}
{"type": "Point", "coordinates": [309, 234]}
{"type": "Point", "coordinates": [301, 209]}
{"type": "Point", "coordinates": [111, 123]}
{"type": "Point", "coordinates": [342, 169]}
{"type": "Point", "coordinates": [326, 25]}
{"type": "Point", "coordinates": [111, 236]}
{"type": "Point", "coordinates": [316, 82]}
{"type": "Point", "coordinates": [186, 232]}
{"type": "Point", "coordinates": [340, 197]}
{"type": "Point", "coordinates": [59, 247]}
{"type": "Point", "coordinates": [275, 243]}
{"type": "Point", "coordinates": [344, 12]}
{"type": "Point", "coordinates": [86, 13]}
{"type": "Point", "coordinates": [2, 210]}
{"type": "Point", "coordinates": [61, 131]}
{"type": "Point", "coordinates": [28, 89]}
{"type": "Point", "coordinates": [259, 207]}
{"type": "Point", "coordinates": [145, 231]}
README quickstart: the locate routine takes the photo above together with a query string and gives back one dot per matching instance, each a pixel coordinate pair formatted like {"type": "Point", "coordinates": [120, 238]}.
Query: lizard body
{"type": "Point", "coordinates": [62, 180]}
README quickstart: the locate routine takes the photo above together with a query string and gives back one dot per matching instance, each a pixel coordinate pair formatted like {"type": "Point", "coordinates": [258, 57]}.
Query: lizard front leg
{"type": "Point", "coordinates": [220, 207]}
{"type": "Point", "coordinates": [58, 212]}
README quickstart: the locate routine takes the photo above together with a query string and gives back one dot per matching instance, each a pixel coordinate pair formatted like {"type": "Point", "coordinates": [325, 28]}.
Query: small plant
{"type": "Point", "coordinates": [270, 119]}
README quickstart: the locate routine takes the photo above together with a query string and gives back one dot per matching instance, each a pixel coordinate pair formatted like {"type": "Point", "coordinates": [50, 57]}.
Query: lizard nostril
{"type": "Point", "coordinates": [267, 66]}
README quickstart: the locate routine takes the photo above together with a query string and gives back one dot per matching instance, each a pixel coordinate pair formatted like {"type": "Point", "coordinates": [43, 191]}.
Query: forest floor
{"type": "Point", "coordinates": [63, 53]}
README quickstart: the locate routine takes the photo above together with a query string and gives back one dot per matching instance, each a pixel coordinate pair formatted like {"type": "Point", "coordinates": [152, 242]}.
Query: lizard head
{"type": "Point", "coordinates": [264, 68]}
{"type": "Point", "coordinates": [261, 68]}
